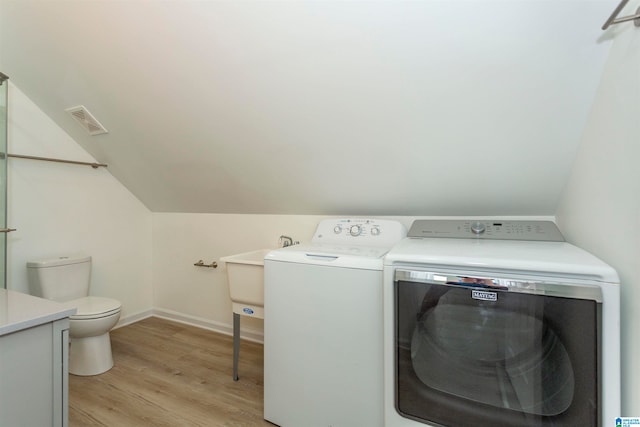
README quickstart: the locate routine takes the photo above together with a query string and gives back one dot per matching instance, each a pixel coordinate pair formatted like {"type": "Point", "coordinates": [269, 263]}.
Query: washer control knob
{"type": "Point", "coordinates": [355, 230]}
{"type": "Point", "coordinates": [375, 230]}
{"type": "Point", "coordinates": [477, 227]}
{"type": "Point", "coordinates": [337, 229]}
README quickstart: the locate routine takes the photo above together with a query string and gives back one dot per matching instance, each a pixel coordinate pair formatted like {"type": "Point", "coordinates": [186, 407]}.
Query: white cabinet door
{"type": "Point", "coordinates": [34, 376]}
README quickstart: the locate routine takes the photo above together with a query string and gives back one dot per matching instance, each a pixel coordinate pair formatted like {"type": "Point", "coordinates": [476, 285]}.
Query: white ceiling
{"type": "Point", "coordinates": [319, 107]}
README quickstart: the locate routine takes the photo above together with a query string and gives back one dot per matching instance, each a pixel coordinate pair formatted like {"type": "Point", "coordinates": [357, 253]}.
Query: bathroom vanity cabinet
{"type": "Point", "coordinates": [34, 350]}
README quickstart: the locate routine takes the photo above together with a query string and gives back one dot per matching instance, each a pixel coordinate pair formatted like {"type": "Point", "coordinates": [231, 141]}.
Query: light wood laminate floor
{"type": "Point", "coordinates": [170, 374]}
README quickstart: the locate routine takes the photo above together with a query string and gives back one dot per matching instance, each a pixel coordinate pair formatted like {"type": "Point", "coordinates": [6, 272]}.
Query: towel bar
{"type": "Point", "coordinates": [201, 263]}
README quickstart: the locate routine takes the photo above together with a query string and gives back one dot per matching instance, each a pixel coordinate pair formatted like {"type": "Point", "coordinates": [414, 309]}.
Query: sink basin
{"type": "Point", "coordinates": [245, 277]}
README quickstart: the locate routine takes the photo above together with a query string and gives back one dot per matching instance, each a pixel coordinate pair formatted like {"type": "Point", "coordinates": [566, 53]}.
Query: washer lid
{"type": "Point", "coordinates": [342, 250]}
{"type": "Point", "coordinates": [94, 306]}
{"type": "Point", "coordinates": [363, 257]}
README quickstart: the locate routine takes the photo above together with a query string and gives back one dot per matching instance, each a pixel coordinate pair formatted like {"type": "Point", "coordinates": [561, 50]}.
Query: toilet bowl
{"type": "Point", "coordinates": [66, 280]}
{"type": "Point", "coordinates": [90, 351]}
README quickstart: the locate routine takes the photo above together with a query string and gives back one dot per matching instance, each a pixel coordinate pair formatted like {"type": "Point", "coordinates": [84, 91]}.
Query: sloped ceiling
{"type": "Point", "coordinates": [321, 107]}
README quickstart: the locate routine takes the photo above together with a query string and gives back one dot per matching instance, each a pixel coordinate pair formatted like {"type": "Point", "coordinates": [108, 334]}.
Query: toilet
{"type": "Point", "coordinates": [66, 280]}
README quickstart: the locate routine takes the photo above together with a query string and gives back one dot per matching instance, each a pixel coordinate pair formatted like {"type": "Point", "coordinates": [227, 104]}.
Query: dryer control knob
{"type": "Point", "coordinates": [375, 230]}
{"type": "Point", "coordinates": [355, 230]}
{"type": "Point", "coordinates": [337, 229]}
{"type": "Point", "coordinates": [477, 227]}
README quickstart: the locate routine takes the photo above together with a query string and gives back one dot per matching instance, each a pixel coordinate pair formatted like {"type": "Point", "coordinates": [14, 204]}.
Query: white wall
{"type": "Point", "coordinates": [61, 209]}
{"type": "Point", "coordinates": [600, 207]}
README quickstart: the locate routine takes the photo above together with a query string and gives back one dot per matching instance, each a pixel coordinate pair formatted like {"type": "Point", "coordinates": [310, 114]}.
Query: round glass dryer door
{"type": "Point", "coordinates": [478, 353]}
{"type": "Point", "coordinates": [505, 358]}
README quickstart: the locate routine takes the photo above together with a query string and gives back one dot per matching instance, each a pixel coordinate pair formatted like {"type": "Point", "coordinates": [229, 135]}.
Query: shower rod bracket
{"type": "Point", "coordinates": [613, 19]}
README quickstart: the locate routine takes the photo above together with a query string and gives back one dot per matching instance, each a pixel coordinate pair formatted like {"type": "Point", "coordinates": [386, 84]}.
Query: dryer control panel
{"type": "Point", "coordinates": [486, 229]}
{"type": "Point", "coordinates": [360, 232]}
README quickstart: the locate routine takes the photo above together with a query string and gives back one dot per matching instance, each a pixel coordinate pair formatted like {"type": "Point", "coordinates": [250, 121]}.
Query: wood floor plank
{"type": "Point", "coordinates": [170, 374]}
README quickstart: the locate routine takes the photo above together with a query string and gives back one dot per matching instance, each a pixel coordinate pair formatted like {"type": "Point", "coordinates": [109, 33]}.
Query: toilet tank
{"type": "Point", "coordinates": [60, 279]}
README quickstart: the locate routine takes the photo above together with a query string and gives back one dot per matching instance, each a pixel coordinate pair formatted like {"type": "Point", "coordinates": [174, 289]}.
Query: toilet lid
{"type": "Point", "coordinates": [92, 307]}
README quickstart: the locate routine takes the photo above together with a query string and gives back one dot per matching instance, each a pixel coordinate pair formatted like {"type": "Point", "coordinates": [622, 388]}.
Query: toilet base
{"type": "Point", "coordinates": [90, 355]}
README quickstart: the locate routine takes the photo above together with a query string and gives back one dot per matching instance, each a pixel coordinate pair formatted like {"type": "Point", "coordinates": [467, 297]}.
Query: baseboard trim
{"type": "Point", "coordinates": [223, 328]}
{"type": "Point", "coordinates": [133, 318]}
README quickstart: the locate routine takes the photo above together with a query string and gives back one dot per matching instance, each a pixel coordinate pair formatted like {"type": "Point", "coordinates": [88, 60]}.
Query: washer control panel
{"type": "Point", "coordinates": [359, 231]}
{"type": "Point", "coordinates": [487, 229]}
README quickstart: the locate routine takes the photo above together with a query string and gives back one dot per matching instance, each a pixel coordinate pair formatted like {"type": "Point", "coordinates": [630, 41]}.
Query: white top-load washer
{"type": "Point", "coordinates": [323, 326]}
{"type": "Point", "coordinates": [499, 323]}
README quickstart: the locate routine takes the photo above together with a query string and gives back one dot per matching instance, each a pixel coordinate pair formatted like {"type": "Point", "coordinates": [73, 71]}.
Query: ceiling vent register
{"type": "Point", "coordinates": [86, 120]}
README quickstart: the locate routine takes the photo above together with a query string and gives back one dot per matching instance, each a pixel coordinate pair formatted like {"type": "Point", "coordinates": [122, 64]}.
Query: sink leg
{"type": "Point", "coordinates": [236, 344]}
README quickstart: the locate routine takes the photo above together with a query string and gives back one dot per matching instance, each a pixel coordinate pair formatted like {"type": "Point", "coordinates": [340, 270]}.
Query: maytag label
{"type": "Point", "coordinates": [627, 422]}
{"type": "Point", "coordinates": [484, 295]}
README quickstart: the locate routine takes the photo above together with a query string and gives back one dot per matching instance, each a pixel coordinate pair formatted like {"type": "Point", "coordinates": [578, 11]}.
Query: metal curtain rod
{"type": "Point", "coordinates": [614, 20]}
{"type": "Point", "coordinates": [48, 159]}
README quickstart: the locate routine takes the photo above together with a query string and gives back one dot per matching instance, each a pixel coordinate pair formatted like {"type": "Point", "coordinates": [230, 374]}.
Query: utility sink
{"type": "Point", "coordinates": [245, 277]}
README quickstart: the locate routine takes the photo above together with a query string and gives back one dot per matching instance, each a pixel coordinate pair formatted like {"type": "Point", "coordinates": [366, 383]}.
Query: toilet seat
{"type": "Point", "coordinates": [94, 307]}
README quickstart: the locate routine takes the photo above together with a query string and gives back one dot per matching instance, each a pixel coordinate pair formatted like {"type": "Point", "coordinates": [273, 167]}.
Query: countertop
{"type": "Point", "coordinates": [20, 311]}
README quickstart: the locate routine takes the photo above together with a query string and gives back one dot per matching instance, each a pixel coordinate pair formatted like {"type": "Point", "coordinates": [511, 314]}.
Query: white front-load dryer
{"type": "Point", "coordinates": [323, 326]}
{"type": "Point", "coordinates": [499, 323]}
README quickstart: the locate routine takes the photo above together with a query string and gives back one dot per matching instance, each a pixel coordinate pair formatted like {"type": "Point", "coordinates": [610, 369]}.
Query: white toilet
{"type": "Point", "coordinates": [66, 280]}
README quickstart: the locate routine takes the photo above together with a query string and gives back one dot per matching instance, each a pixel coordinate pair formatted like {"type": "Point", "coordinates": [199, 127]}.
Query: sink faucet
{"type": "Point", "coordinates": [287, 241]}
